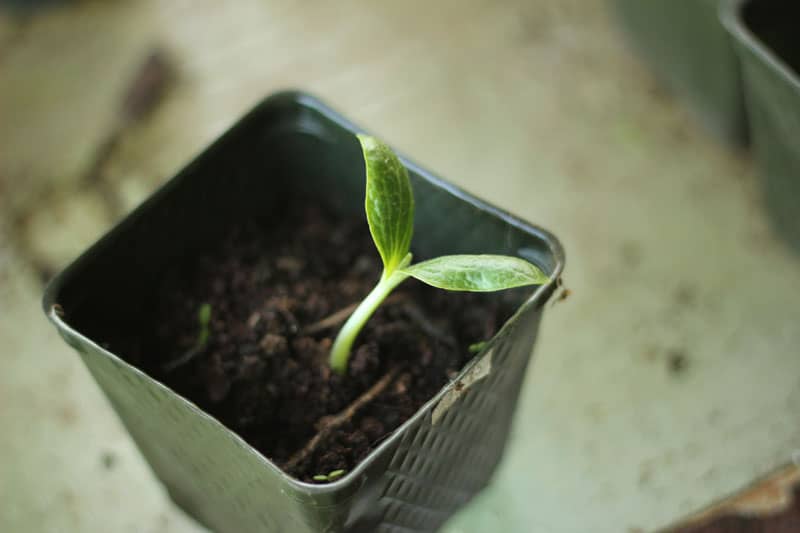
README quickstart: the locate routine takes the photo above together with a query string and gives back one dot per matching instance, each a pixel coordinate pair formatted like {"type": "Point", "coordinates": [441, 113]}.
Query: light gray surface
{"type": "Point", "coordinates": [535, 106]}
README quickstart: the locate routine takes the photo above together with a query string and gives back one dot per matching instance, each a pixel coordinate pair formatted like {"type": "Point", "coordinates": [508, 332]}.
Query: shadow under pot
{"type": "Point", "coordinates": [206, 316]}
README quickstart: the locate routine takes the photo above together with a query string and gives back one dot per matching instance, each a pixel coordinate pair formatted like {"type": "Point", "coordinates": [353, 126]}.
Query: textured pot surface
{"type": "Point", "coordinates": [769, 46]}
{"type": "Point", "coordinates": [416, 478]}
{"type": "Point", "coordinates": [686, 45]}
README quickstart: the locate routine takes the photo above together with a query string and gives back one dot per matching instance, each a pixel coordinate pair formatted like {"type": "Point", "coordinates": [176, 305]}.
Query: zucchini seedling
{"type": "Point", "coordinates": [389, 205]}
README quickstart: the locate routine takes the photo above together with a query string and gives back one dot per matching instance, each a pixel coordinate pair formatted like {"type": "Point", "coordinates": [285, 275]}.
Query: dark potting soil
{"type": "Point", "coordinates": [263, 371]}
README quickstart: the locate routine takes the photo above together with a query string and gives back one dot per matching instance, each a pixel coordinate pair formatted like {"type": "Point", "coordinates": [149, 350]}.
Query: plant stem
{"type": "Point", "coordinates": [340, 353]}
{"type": "Point", "coordinates": [338, 317]}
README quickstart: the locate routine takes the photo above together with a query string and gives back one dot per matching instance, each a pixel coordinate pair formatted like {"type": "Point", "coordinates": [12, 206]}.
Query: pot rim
{"type": "Point", "coordinates": [352, 479]}
{"type": "Point", "coordinates": [732, 17]}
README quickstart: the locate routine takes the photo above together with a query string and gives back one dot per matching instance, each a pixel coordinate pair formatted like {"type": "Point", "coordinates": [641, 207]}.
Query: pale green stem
{"type": "Point", "coordinates": [340, 352]}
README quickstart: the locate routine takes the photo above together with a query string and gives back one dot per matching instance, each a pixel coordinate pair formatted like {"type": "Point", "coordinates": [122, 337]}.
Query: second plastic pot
{"type": "Point", "coordinates": [684, 42]}
{"type": "Point", "coordinates": [768, 42]}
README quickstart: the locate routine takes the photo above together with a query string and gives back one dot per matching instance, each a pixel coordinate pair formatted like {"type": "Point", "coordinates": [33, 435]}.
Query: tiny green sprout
{"type": "Point", "coordinates": [336, 474]}
{"type": "Point", "coordinates": [477, 347]}
{"type": "Point", "coordinates": [203, 319]}
{"type": "Point", "coordinates": [330, 476]}
{"type": "Point", "coordinates": [389, 205]}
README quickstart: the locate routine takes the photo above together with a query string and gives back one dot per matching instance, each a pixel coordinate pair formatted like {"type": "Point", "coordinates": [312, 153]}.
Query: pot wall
{"type": "Point", "coordinates": [415, 479]}
{"type": "Point", "coordinates": [685, 44]}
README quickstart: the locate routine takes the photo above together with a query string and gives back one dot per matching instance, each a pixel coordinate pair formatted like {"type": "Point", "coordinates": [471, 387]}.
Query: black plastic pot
{"type": "Point", "coordinates": [768, 43]}
{"type": "Point", "coordinates": [426, 469]}
{"type": "Point", "coordinates": [687, 47]}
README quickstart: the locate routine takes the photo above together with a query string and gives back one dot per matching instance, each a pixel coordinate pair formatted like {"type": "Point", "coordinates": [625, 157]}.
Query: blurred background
{"type": "Point", "coordinates": [667, 381]}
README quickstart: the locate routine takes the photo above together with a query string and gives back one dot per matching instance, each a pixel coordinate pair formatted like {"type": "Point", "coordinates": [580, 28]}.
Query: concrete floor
{"type": "Point", "coordinates": [669, 379]}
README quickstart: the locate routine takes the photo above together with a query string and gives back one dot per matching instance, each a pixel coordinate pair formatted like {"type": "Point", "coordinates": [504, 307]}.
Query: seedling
{"type": "Point", "coordinates": [332, 476]}
{"type": "Point", "coordinates": [203, 333]}
{"type": "Point", "coordinates": [477, 347]}
{"type": "Point", "coordinates": [390, 214]}
{"type": "Point", "coordinates": [203, 318]}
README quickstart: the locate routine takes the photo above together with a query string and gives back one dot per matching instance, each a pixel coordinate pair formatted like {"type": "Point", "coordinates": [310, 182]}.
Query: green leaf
{"type": "Point", "coordinates": [320, 477]}
{"type": "Point", "coordinates": [477, 347]}
{"type": "Point", "coordinates": [389, 202]}
{"type": "Point", "coordinates": [477, 273]}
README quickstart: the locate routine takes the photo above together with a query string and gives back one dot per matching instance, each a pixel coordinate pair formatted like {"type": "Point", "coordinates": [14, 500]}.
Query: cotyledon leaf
{"type": "Point", "coordinates": [476, 273]}
{"type": "Point", "coordinates": [389, 202]}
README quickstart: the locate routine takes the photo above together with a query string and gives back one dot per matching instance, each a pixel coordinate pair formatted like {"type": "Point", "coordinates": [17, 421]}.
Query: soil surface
{"type": "Point", "coordinates": [274, 289]}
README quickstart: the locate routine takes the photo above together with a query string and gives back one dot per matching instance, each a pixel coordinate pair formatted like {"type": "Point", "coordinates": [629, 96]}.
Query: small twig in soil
{"type": "Point", "coordinates": [417, 315]}
{"type": "Point", "coordinates": [169, 366]}
{"type": "Point", "coordinates": [289, 319]}
{"type": "Point", "coordinates": [328, 424]}
{"type": "Point", "coordinates": [341, 315]}
{"type": "Point", "coordinates": [331, 320]}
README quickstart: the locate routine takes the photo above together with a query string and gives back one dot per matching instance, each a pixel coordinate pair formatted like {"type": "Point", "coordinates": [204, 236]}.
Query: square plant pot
{"type": "Point", "coordinates": [768, 44]}
{"type": "Point", "coordinates": [425, 469]}
{"type": "Point", "coordinates": [685, 44]}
